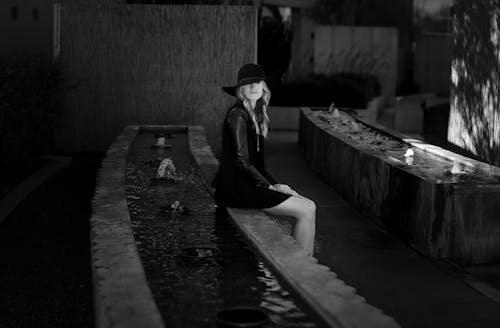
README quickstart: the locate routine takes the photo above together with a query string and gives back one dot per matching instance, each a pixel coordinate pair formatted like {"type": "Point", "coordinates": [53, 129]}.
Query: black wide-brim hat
{"type": "Point", "coordinates": [247, 74]}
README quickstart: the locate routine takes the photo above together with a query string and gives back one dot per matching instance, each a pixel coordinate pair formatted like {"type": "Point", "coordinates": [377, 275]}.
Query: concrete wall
{"type": "Point", "coordinates": [31, 31]}
{"type": "Point", "coordinates": [393, 13]}
{"type": "Point", "coordinates": [475, 98]}
{"type": "Point", "coordinates": [27, 32]}
{"type": "Point", "coordinates": [149, 64]}
{"type": "Point", "coordinates": [302, 57]}
{"type": "Point", "coordinates": [371, 50]}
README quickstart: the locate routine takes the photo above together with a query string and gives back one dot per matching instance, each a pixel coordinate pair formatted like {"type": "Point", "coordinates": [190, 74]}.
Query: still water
{"type": "Point", "coordinates": [190, 292]}
{"type": "Point", "coordinates": [422, 163]}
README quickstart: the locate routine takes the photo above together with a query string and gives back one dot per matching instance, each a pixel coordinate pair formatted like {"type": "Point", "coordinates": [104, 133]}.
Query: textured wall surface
{"type": "Point", "coordinates": [26, 28]}
{"type": "Point", "coordinates": [440, 219]}
{"type": "Point", "coordinates": [358, 49]}
{"type": "Point", "coordinates": [149, 64]}
{"type": "Point", "coordinates": [475, 98]}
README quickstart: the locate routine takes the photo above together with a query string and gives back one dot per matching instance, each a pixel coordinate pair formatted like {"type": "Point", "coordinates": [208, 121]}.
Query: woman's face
{"type": "Point", "coordinates": [253, 91]}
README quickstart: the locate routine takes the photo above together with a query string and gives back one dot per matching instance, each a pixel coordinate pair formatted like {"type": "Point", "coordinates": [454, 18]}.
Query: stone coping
{"type": "Point", "coordinates": [53, 165]}
{"type": "Point", "coordinates": [433, 149]}
{"type": "Point", "coordinates": [122, 297]}
{"type": "Point", "coordinates": [334, 303]}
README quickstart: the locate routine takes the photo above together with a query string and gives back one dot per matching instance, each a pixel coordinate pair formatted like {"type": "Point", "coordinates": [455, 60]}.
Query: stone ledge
{"type": "Point", "coordinates": [122, 297]}
{"type": "Point", "coordinates": [433, 149]}
{"type": "Point", "coordinates": [15, 197]}
{"type": "Point", "coordinates": [334, 303]}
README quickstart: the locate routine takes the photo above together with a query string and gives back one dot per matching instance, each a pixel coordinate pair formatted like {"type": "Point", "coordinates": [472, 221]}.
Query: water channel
{"type": "Point", "coordinates": [422, 163]}
{"type": "Point", "coordinates": [189, 292]}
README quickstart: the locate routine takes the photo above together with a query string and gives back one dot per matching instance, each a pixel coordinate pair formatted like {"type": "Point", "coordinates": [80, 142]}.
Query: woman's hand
{"type": "Point", "coordinates": [284, 189]}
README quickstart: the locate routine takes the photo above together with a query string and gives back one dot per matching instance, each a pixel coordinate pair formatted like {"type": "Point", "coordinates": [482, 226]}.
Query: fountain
{"type": "Point", "coordinates": [441, 203]}
{"type": "Point", "coordinates": [164, 255]}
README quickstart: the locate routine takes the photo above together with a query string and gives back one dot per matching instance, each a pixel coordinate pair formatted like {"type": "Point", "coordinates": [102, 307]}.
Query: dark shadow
{"type": "Point", "coordinates": [45, 277]}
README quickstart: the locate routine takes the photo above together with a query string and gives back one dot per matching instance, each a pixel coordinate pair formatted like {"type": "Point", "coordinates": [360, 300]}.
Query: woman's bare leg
{"type": "Point", "coordinates": [304, 211]}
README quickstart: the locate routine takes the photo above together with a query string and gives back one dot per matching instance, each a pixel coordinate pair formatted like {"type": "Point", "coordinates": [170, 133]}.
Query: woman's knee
{"type": "Point", "coordinates": [298, 207]}
{"type": "Point", "coordinates": [308, 209]}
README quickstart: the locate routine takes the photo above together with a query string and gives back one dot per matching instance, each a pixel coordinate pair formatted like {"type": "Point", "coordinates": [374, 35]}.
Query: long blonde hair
{"type": "Point", "coordinates": [259, 113]}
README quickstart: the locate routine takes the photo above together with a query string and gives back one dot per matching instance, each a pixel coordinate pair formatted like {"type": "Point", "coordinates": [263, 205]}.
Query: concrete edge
{"type": "Point", "coordinates": [307, 114]}
{"type": "Point", "coordinates": [122, 297]}
{"type": "Point", "coordinates": [333, 302]}
{"type": "Point", "coordinates": [435, 150]}
{"type": "Point", "coordinates": [19, 193]}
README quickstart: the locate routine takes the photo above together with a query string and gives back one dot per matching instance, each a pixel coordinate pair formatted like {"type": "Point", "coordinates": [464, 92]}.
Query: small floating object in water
{"type": "Point", "coordinates": [331, 108]}
{"type": "Point", "coordinates": [334, 111]}
{"type": "Point", "coordinates": [355, 127]}
{"type": "Point", "coordinates": [198, 252]}
{"type": "Point", "coordinates": [409, 160]}
{"type": "Point", "coordinates": [175, 207]}
{"type": "Point", "coordinates": [456, 168]}
{"type": "Point", "coordinates": [166, 170]}
{"type": "Point", "coordinates": [409, 153]}
{"type": "Point", "coordinates": [160, 143]}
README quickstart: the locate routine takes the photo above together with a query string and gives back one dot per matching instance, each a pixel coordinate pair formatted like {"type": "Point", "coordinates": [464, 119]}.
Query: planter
{"type": "Point", "coordinates": [418, 198]}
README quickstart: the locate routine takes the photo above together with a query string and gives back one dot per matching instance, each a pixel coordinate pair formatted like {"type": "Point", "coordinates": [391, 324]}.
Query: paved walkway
{"type": "Point", "coordinates": [415, 291]}
{"type": "Point", "coordinates": [45, 277]}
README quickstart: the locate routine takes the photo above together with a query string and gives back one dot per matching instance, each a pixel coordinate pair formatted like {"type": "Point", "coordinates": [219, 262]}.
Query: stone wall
{"type": "Point", "coordinates": [148, 64]}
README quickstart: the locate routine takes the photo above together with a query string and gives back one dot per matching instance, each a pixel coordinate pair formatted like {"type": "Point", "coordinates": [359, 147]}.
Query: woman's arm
{"type": "Point", "coordinates": [238, 128]}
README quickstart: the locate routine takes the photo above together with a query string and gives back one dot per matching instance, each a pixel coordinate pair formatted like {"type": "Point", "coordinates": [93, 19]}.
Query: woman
{"type": "Point", "coordinates": [242, 180]}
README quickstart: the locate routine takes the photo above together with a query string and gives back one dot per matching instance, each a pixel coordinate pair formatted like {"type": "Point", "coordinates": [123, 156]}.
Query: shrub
{"type": "Point", "coordinates": [345, 89]}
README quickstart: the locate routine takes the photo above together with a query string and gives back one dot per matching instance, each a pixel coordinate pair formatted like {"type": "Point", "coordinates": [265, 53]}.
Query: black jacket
{"type": "Point", "coordinates": [241, 171]}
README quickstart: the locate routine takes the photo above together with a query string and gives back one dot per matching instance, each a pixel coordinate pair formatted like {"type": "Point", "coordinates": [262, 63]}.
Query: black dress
{"type": "Point", "coordinates": [242, 180]}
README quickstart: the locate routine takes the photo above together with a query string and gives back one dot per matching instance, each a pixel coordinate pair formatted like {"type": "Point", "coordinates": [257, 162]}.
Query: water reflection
{"type": "Point", "coordinates": [420, 162]}
{"type": "Point", "coordinates": [190, 293]}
